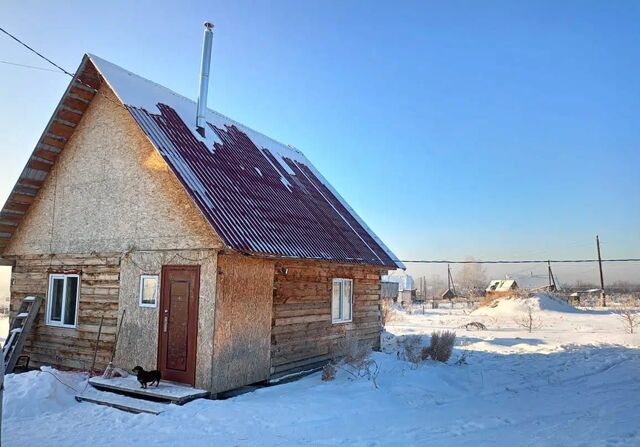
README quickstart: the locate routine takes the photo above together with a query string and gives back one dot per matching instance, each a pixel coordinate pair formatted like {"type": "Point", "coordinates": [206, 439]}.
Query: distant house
{"type": "Point", "coordinates": [389, 290]}
{"type": "Point", "coordinates": [448, 295]}
{"type": "Point", "coordinates": [235, 260]}
{"type": "Point", "coordinates": [406, 287]}
{"type": "Point", "coordinates": [501, 287]}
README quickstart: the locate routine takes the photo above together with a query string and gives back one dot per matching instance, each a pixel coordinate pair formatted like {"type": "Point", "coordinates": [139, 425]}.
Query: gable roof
{"type": "Point", "coordinates": [259, 195]}
{"type": "Point", "coordinates": [502, 285]}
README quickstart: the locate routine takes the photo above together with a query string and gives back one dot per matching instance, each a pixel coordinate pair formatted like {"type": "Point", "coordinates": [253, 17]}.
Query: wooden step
{"type": "Point", "coordinates": [166, 392]}
{"type": "Point", "coordinates": [121, 402]}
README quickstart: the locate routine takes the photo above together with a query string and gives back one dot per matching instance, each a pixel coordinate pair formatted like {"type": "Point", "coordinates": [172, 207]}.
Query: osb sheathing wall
{"type": "Point", "coordinates": [110, 192]}
{"type": "Point", "coordinates": [243, 322]}
{"type": "Point", "coordinates": [303, 335]}
{"type": "Point", "coordinates": [138, 343]}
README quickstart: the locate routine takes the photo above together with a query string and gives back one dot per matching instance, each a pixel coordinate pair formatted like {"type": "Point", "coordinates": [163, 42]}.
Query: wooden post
{"type": "Point", "coordinates": [603, 296]}
{"type": "Point", "coordinates": [552, 280]}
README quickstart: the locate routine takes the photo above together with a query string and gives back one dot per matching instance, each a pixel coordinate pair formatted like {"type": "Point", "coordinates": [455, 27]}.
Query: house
{"type": "Point", "coordinates": [226, 256]}
{"type": "Point", "coordinates": [406, 288]}
{"type": "Point", "coordinates": [389, 291]}
{"type": "Point", "coordinates": [448, 295]}
{"type": "Point", "coordinates": [501, 287]}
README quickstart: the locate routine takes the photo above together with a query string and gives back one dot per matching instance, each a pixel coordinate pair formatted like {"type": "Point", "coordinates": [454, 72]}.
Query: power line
{"type": "Point", "coordinates": [530, 261]}
{"type": "Point", "coordinates": [34, 51]}
{"type": "Point", "coordinates": [33, 67]}
{"type": "Point", "coordinates": [537, 261]}
{"type": "Point", "coordinates": [76, 78]}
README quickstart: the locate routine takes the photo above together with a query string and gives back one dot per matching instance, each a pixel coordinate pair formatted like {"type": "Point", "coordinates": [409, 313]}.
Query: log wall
{"type": "Point", "coordinates": [302, 335]}
{"type": "Point", "coordinates": [99, 290]}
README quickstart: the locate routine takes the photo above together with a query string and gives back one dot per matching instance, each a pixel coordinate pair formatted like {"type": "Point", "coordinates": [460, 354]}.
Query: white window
{"type": "Point", "coordinates": [341, 300]}
{"type": "Point", "coordinates": [62, 300]}
{"type": "Point", "coordinates": [148, 290]}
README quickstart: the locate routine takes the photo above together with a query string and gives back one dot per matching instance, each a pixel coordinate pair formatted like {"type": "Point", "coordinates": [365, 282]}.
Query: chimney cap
{"type": "Point", "coordinates": [208, 25]}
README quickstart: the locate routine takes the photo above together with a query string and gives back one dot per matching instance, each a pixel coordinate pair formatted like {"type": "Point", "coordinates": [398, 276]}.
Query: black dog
{"type": "Point", "coordinates": [145, 377]}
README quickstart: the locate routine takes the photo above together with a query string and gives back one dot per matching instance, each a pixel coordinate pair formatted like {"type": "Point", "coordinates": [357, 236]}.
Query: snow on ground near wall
{"type": "Point", "coordinates": [572, 382]}
{"type": "Point", "coordinates": [4, 328]}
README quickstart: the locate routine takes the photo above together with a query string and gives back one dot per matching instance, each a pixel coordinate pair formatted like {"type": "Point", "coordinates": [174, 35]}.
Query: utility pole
{"type": "Point", "coordinates": [552, 280]}
{"type": "Point", "coordinates": [603, 296]}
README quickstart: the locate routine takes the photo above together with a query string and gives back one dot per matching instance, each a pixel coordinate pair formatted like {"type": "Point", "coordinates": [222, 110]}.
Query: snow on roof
{"type": "Point", "coordinates": [260, 195]}
{"type": "Point", "coordinates": [501, 285]}
{"type": "Point", "coordinates": [404, 281]}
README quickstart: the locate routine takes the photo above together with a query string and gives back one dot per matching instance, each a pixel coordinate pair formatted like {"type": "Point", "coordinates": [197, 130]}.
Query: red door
{"type": "Point", "coordinates": [179, 293]}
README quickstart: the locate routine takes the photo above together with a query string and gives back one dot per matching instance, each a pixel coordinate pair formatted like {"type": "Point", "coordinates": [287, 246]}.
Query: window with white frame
{"type": "Point", "coordinates": [148, 290]}
{"type": "Point", "coordinates": [341, 300]}
{"type": "Point", "coordinates": [62, 300]}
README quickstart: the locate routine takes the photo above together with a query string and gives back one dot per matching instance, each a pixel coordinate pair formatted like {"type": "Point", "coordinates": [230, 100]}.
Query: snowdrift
{"type": "Point", "coordinates": [38, 392]}
{"type": "Point", "coordinates": [511, 307]}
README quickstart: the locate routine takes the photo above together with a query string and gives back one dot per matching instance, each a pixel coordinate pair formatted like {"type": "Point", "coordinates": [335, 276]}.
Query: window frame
{"type": "Point", "coordinates": [341, 318]}
{"type": "Point", "coordinates": [140, 290]}
{"type": "Point", "coordinates": [64, 277]}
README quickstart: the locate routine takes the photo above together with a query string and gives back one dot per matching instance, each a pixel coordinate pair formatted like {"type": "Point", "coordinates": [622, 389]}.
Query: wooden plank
{"type": "Point", "coordinates": [124, 403]}
{"type": "Point", "coordinates": [167, 391]}
{"type": "Point", "coordinates": [47, 154]}
{"type": "Point", "coordinates": [7, 229]}
{"type": "Point", "coordinates": [61, 129]}
{"type": "Point", "coordinates": [82, 91]}
{"type": "Point", "coordinates": [21, 198]}
{"type": "Point", "coordinates": [39, 165]}
{"type": "Point", "coordinates": [30, 181]}
{"type": "Point", "coordinates": [69, 114]}
{"type": "Point", "coordinates": [53, 141]}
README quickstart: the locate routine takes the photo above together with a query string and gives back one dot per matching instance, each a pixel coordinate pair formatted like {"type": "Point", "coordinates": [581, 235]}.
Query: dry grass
{"type": "Point", "coordinates": [411, 349]}
{"type": "Point", "coordinates": [354, 352]}
{"type": "Point", "coordinates": [329, 372]}
{"type": "Point", "coordinates": [386, 311]}
{"type": "Point", "coordinates": [441, 345]}
{"type": "Point", "coordinates": [529, 320]}
{"type": "Point", "coordinates": [439, 349]}
{"type": "Point", "coordinates": [629, 316]}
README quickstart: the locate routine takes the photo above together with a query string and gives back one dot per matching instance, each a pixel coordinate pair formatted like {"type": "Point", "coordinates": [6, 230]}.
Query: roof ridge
{"type": "Point", "coordinates": [186, 98]}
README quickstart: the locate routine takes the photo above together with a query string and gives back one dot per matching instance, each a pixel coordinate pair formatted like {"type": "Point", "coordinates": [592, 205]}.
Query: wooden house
{"type": "Point", "coordinates": [232, 259]}
{"type": "Point", "coordinates": [501, 287]}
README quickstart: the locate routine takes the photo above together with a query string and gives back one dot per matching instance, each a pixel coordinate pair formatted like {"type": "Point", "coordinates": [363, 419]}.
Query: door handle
{"type": "Point", "coordinates": [166, 322]}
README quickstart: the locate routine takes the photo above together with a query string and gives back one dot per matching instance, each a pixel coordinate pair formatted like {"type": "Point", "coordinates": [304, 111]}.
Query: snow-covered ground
{"type": "Point", "coordinates": [4, 328]}
{"type": "Point", "coordinates": [571, 382]}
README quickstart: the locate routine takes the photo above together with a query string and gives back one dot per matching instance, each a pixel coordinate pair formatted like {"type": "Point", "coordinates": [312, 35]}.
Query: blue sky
{"type": "Point", "coordinates": [455, 129]}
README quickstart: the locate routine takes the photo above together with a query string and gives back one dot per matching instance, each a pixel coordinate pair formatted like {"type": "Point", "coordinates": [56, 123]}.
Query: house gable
{"type": "Point", "coordinates": [259, 196]}
{"type": "Point", "coordinates": [110, 191]}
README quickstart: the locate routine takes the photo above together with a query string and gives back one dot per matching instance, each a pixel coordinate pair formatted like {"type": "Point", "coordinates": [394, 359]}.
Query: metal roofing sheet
{"type": "Point", "coordinates": [259, 195]}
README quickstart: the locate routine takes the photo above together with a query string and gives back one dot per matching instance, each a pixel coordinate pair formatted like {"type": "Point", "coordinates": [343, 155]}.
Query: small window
{"type": "Point", "coordinates": [148, 290]}
{"type": "Point", "coordinates": [341, 300]}
{"type": "Point", "coordinates": [62, 303]}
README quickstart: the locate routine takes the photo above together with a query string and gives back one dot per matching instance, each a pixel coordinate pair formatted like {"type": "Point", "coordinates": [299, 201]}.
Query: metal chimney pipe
{"type": "Point", "coordinates": [205, 68]}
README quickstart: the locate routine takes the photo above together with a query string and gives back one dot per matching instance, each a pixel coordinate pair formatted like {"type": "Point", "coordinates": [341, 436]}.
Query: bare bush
{"type": "Point", "coordinates": [629, 317]}
{"type": "Point", "coordinates": [411, 349]}
{"type": "Point", "coordinates": [329, 372]}
{"type": "Point", "coordinates": [356, 359]}
{"type": "Point", "coordinates": [354, 352]}
{"type": "Point", "coordinates": [528, 320]}
{"type": "Point", "coordinates": [441, 345]}
{"type": "Point", "coordinates": [386, 311]}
